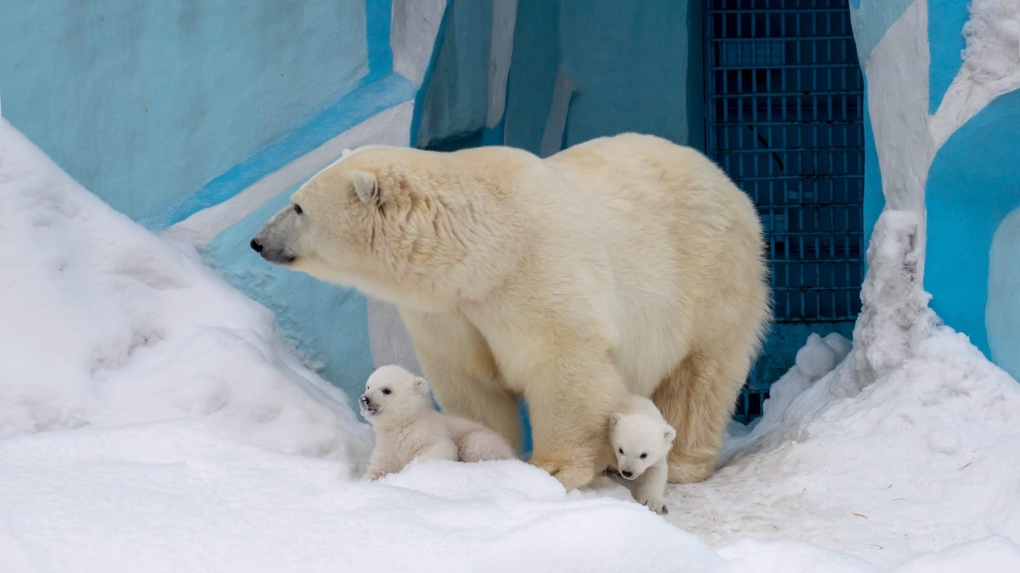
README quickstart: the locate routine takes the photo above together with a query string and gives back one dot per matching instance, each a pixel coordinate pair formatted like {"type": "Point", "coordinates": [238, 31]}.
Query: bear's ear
{"type": "Point", "coordinates": [366, 186]}
{"type": "Point", "coordinates": [614, 420]}
{"type": "Point", "coordinates": [670, 434]}
{"type": "Point", "coordinates": [421, 386]}
{"type": "Point", "coordinates": [345, 153]}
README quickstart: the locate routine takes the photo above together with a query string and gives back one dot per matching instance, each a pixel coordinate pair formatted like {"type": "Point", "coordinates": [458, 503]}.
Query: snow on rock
{"type": "Point", "coordinates": [992, 33]}
{"type": "Point", "coordinates": [105, 325]}
{"type": "Point", "coordinates": [910, 445]}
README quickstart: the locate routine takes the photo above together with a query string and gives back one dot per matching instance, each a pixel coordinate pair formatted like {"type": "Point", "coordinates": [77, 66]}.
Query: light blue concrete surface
{"type": "Point", "coordinates": [145, 102]}
{"type": "Point", "coordinates": [973, 185]}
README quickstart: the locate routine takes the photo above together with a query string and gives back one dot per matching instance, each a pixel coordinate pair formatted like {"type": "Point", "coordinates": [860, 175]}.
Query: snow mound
{"type": "Point", "coordinates": [105, 324]}
{"type": "Point", "coordinates": [910, 444]}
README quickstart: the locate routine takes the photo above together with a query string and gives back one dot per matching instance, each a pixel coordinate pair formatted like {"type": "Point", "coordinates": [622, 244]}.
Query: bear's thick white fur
{"type": "Point", "coordinates": [623, 263]}
{"type": "Point", "coordinates": [398, 404]}
{"type": "Point", "coordinates": [641, 440]}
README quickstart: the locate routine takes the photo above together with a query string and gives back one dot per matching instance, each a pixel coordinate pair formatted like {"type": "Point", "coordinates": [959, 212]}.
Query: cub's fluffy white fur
{"type": "Point", "coordinates": [641, 440]}
{"type": "Point", "coordinates": [398, 404]}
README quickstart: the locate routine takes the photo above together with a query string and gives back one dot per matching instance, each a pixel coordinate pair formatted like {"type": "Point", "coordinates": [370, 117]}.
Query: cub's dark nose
{"type": "Point", "coordinates": [627, 474]}
{"type": "Point", "coordinates": [365, 401]}
{"type": "Point", "coordinates": [256, 245]}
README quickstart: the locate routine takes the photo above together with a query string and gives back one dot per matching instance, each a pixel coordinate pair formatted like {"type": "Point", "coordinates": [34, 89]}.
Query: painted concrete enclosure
{"type": "Point", "coordinates": [199, 119]}
{"type": "Point", "coordinates": [942, 80]}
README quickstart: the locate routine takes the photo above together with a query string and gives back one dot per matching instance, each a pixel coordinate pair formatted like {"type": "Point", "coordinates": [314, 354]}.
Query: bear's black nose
{"type": "Point", "coordinates": [256, 245]}
{"type": "Point", "coordinates": [627, 474]}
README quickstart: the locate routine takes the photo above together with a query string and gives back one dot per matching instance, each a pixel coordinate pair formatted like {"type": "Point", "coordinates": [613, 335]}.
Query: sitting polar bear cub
{"type": "Point", "coordinates": [398, 404]}
{"type": "Point", "coordinates": [641, 440]}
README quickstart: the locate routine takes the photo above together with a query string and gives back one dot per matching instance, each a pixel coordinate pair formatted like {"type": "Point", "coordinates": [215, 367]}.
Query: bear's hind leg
{"type": "Point", "coordinates": [697, 399]}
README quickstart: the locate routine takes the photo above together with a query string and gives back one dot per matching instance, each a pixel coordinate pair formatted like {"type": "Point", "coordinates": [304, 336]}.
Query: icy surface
{"type": "Point", "coordinates": [150, 420]}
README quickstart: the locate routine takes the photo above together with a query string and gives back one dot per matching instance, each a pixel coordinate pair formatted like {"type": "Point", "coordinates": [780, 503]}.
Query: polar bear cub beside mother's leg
{"type": "Point", "coordinates": [641, 440]}
{"type": "Point", "coordinates": [398, 404]}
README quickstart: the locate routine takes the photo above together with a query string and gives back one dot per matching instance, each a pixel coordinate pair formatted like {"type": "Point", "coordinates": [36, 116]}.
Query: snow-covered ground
{"type": "Point", "coordinates": [151, 420]}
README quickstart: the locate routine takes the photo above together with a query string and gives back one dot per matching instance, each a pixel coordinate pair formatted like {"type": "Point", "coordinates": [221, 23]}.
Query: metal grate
{"type": "Point", "coordinates": [784, 113]}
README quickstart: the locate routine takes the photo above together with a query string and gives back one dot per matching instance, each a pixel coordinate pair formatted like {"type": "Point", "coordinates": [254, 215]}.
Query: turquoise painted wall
{"type": "Point", "coordinates": [457, 100]}
{"type": "Point", "coordinates": [146, 102]}
{"type": "Point", "coordinates": [633, 64]}
{"type": "Point", "coordinates": [972, 196]}
{"type": "Point", "coordinates": [630, 62]}
{"type": "Point", "coordinates": [973, 186]}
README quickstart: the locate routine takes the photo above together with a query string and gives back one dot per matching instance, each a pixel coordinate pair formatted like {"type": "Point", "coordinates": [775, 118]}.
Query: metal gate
{"type": "Point", "coordinates": [784, 112]}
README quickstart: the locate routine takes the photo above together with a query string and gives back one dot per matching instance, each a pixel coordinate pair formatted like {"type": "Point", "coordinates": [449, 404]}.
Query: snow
{"type": "Point", "coordinates": [992, 55]}
{"type": "Point", "coordinates": [911, 444]}
{"type": "Point", "coordinates": [990, 66]}
{"type": "Point", "coordinates": [151, 420]}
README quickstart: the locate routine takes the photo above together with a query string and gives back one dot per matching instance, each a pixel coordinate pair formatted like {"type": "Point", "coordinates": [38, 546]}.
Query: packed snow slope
{"type": "Point", "coordinates": [152, 420]}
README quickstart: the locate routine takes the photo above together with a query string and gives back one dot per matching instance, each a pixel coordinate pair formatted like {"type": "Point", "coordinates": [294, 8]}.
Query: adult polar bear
{"type": "Point", "coordinates": [622, 262]}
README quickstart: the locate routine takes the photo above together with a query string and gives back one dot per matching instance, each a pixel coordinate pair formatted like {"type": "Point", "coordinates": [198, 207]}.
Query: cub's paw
{"type": "Point", "coordinates": [654, 503]}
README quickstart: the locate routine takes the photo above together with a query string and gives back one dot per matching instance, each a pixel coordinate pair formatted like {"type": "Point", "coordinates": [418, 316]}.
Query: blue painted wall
{"type": "Point", "coordinates": [972, 197]}
{"type": "Point", "coordinates": [637, 67]}
{"type": "Point", "coordinates": [457, 101]}
{"type": "Point", "coordinates": [974, 184]}
{"type": "Point", "coordinates": [536, 61]}
{"type": "Point", "coordinates": [145, 102]}
{"type": "Point", "coordinates": [945, 24]}
{"type": "Point", "coordinates": [630, 61]}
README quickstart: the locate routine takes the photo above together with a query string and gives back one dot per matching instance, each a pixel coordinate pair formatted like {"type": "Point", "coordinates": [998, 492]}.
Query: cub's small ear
{"type": "Point", "coordinates": [421, 386]}
{"type": "Point", "coordinates": [670, 434]}
{"type": "Point", "coordinates": [366, 186]}
{"type": "Point", "coordinates": [345, 153]}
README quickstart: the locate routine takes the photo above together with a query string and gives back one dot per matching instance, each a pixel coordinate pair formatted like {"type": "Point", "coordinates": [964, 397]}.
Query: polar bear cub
{"type": "Point", "coordinates": [398, 405]}
{"type": "Point", "coordinates": [641, 441]}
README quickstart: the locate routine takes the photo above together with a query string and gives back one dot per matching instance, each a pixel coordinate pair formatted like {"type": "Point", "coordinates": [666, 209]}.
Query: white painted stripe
{"type": "Point", "coordinates": [501, 51]}
{"type": "Point", "coordinates": [389, 127]}
{"type": "Point", "coordinates": [552, 138]}
{"type": "Point", "coordinates": [413, 30]}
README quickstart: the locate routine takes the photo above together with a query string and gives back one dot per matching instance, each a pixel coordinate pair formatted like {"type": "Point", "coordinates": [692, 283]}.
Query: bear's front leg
{"type": "Point", "coordinates": [384, 461]}
{"type": "Point", "coordinates": [462, 370]}
{"type": "Point", "coordinates": [570, 412]}
{"type": "Point", "coordinates": [650, 487]}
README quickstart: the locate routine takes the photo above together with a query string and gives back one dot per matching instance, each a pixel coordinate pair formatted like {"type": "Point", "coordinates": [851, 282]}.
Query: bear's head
{"type": "Point", "coordinates": [394, 395]}
{"type": "Point", "coordinates": [397, 223]}
{"type": "Point", "coordinates": [639, 441]}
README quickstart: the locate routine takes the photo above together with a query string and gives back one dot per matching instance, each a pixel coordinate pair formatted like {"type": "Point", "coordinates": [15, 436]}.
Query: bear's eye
{"type": "Point", "coordinates": [298, 209]}
{"type": "Point", "coordinates": [386, 390]}
{"type": "Point", "coordinates": [621, 451]}
{"type": "Point", "coordinates": [643, 456]}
